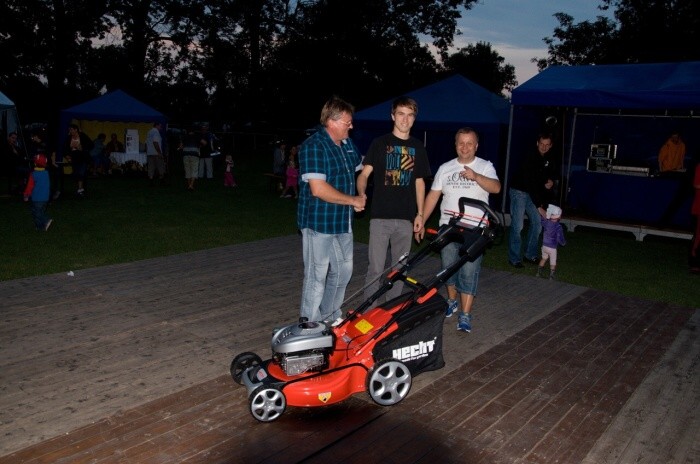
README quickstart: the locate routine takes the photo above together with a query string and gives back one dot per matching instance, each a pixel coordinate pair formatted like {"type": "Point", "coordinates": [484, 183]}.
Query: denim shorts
{"type": "Point", "coordinates": [466, 278]}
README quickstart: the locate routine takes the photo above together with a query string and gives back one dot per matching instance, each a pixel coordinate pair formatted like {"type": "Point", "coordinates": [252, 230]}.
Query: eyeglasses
{"type": "Point", "coordinates": [347, 123]}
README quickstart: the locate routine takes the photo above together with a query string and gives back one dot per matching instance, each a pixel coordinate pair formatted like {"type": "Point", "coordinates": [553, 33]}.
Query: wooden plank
{"type": "Point", "coordinates": [129, 363]}
{"type": "Point", "coordinates": [659, 423]}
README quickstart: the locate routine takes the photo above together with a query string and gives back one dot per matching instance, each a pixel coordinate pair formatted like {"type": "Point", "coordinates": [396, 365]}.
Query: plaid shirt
{"type": "Point", "coordinates": [321, 158]}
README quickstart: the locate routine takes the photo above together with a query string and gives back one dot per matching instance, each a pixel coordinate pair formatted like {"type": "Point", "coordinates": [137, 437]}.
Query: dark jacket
{"type": "Point", "coordinates": [80, 156]}
{"type": "Point", "coordinates": [532, 176]}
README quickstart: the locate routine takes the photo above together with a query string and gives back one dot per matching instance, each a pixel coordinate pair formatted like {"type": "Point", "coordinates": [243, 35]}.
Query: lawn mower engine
{"type": "Point", "coordinates": [302, 347]}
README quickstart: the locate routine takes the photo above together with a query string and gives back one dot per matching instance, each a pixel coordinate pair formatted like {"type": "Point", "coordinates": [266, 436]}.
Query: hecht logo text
{"type": "Point", "coordinates": [413, 352]}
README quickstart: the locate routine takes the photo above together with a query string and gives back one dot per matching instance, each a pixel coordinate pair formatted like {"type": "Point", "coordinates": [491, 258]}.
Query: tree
{"type": "Point", "coordinates": [657, 30]}
{"type": "Point", "coordinates": [363, 50]}
{"type": "Point", "coordinates": [643, 32]}
{"type": "Point", "coordinates": [260, 59]}
{"type": "Point", "coordinates": [49, 41]}
{"type": "Point", "coordinates": [484, 66]}
{"type": "Point", "coordinates": [156, 42]}
{"type": "Point", "coordinates": [579, 44]}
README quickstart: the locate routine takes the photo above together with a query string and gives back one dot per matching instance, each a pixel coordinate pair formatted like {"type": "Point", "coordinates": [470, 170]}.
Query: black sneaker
{"type": "Point", "coordinates": [531, 260]}
{"type": "Point", "coordinates": [518, 264]}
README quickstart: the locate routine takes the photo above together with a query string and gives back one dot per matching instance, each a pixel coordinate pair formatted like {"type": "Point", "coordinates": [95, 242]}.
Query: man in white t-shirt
{"type": "Point", "coordinates": [465, 176]}
{"type": "Point", "coordinates": [154, 152]}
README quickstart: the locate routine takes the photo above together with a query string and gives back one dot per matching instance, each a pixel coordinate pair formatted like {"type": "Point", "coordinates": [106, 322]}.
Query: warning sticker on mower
{"type": "Point", "coordinates": [324, 397]}
{"type": "Point", "coordinates": [364, 326]}
{"type": "Point", "coordinates": [413, 352]}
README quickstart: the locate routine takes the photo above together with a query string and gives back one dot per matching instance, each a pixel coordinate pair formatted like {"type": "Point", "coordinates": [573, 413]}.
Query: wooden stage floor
{"type": "Point", "coordinates": [129, 364]}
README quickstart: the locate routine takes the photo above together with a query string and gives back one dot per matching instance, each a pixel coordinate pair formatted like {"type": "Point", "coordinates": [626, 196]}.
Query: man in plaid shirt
{"type": "Point", "coordinates": [328, 160]}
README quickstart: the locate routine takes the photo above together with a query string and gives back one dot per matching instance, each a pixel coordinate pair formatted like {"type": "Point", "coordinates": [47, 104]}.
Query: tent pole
{"type": "Point", "coordinates": [505, 174]}
{"type": "Point", "coordinates": [571, 154]}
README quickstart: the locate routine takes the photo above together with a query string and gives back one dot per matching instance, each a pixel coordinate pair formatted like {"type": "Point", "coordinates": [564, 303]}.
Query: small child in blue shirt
{"type": "Point", "coordinates": [552, 236]}
{"type": "Point", "coordinates": [38, 189]}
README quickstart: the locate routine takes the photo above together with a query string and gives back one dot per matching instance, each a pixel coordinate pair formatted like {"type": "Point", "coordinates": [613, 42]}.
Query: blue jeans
{"type": "Point", "coordinates": [39, 214]}
{"type": "Point", "coordinates": [327, 272]}
{"type": "Point", "coordinates": [520, 205]}
{"type": "Point", "coordinates": [205, 164]}
{"type": "Point", "coordinates": [466, 279]}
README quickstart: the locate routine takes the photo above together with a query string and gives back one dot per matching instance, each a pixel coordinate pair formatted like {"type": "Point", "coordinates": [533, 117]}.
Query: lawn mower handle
{"type": "Point", "coordinates": [493, 217]}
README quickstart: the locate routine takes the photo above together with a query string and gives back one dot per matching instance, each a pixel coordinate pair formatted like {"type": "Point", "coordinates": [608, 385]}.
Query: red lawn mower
{"type": "Point", "coordinates": [375, 349]}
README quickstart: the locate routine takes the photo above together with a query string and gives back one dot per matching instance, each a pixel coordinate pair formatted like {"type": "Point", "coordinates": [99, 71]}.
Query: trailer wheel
{"type": "Point", "coordinates": [267, 403]}
{"type": "Point", "coordinates": [242, 362]}
{"type": "Point", "coordinates": [388, 382]}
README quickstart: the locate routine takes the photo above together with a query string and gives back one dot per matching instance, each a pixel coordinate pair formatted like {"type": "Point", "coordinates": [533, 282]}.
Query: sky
{"type": "Point", "coordinates": [515, 28]}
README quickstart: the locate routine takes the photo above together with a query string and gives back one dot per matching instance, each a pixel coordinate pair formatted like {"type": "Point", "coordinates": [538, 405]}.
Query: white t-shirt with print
{"type": "Point", "coordinates": [453, 187]}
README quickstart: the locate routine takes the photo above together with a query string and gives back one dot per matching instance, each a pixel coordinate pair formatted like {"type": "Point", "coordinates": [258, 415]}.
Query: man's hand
{"type": "Point", "coordinates": [468, 173]}
{"type": "Point", "coordinates": [358, 203]}
{"type": "Point", "coordinates": [417, 223]}
{"type": "Point", "coordinates": [419, 235]}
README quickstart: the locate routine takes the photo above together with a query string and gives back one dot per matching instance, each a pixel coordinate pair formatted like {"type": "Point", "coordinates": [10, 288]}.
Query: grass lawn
{"type": "Point", "coordinates": [125, 219]}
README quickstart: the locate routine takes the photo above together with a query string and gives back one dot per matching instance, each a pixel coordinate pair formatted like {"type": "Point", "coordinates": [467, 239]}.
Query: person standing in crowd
{"type": "Point", "coordinates": [39, 146]}
{"type": "Point", "coordinates": [279, 156]}
{"type": "Point", "coordinates": [206, 148]}
{"type": "Point", "coordinates": [17, 164]}
{"type": "Point", "coordinates": [465, 176]}
{"type": "Point", "coordinates": [229, 181]}
{"type": "Point", "coordinates": [400, 164]}
{"type": "Point", "coordinates": [78, 147]}
{"type": "Point", "coordinates": [291, 175]}
{"type": "Point", "coordinates": [552, 236]}
{"type": "Point", "coordinates": [154, 153]}
{"type": "Point", "coordinates": [113, 146]}
{"type": "Point", "coordinates": [97, 154]}
{"type": "Point", "coordinates": [190, 157]}
{"type": "Point", "coordinates": [38, 190]}
{"type": "Point", "coordinates": [672, 154]}
{"type": "Point", "coordinates": [279, 163]}
{"type": "Point", "coordinates": [328, 160]}
{"type": "Point", "coordinates": [531, 189]}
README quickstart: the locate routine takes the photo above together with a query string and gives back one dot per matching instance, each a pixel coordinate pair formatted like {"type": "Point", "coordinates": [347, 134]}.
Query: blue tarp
{"type": "Point", "coordinates": [9, 122]}
{"type": "Point", "coordinates": [443, 108]}
{"type": "Point", "coordinates": [5, 103]}
{"type": "Point", "coordinates": [623, 86]}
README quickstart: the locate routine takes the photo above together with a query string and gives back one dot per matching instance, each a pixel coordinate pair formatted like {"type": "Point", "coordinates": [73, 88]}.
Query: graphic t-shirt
{"type": "Point", "coordinates": [453, 187]}
{"type": "Point", "coordinates": [396, 165]}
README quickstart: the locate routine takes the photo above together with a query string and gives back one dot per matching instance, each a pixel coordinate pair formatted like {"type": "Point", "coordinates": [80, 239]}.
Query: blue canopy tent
{"type": "Point", "coordinates": [9, 121]}
{"type": "Point", "coordinates": [631, 106]}
{"type": "Point", "coordinates": [443, 108]}
{"type": "Point", "coordinates": [115, 112]}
